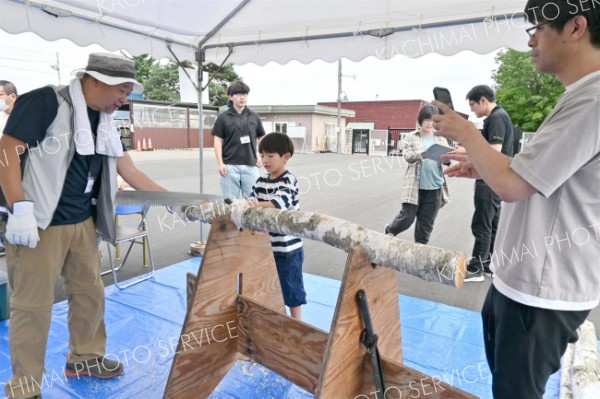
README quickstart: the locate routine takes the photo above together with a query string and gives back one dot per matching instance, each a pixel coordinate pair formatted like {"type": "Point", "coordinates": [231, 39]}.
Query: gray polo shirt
{"type": "Point", "coordinates": [547, 251]}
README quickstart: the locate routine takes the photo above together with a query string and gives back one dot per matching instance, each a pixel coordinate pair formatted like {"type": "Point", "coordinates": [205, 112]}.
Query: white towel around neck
{"type": "Point", "coordinates": [108, 139]}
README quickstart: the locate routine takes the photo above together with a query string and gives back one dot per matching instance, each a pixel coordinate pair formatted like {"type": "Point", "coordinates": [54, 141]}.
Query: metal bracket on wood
{"type": "Point", "coordinates": [369, 339]}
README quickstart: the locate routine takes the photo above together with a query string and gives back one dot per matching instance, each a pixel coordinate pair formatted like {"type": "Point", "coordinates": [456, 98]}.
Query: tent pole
{"type": "Point", "coordinates": [200, 54]}
{"type": "Point", "coordinates": [198, 246]}
{"type": "Point", "coordinates": [200, 60]}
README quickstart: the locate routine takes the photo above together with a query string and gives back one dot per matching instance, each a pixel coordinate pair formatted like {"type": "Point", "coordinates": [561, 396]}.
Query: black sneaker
{"type": "Point", "coordinates": [474, 276]}
{"type": "Point", "coordinates": [487, 271]}
{"type": "Point", "coordinates": [386, 231]}
{"type": "Point", "coordinates": [100, 367]}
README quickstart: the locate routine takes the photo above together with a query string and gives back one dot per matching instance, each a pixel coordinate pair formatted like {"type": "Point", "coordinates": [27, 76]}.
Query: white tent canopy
{"type": "Point", "coordinates": [259, 31]}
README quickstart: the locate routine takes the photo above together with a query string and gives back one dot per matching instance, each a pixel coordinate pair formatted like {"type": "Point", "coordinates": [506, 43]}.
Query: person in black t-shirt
{"type": "Point", "coordinates": [61, 153]}
{"type": "Point", "coordinates": [498, 131]}
{"type": "Point", "coordinates": [237, 132]}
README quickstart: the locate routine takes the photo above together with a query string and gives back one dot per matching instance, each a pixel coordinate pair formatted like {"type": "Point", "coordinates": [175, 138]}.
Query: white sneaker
{"type": "Point", "coordinates": [474, 276]}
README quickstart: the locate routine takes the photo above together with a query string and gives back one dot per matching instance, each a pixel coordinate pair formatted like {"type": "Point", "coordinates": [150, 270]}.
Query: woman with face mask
{"type": "Point", "coordinates": [8, 95]}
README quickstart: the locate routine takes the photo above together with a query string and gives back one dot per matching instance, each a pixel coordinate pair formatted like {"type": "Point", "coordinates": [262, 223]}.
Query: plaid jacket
{"type": "Point", "coordinates": [411, 151]}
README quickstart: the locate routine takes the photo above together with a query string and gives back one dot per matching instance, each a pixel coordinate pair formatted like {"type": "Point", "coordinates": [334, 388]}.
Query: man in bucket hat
{"type": "Point", "coordinates": [59, 182]}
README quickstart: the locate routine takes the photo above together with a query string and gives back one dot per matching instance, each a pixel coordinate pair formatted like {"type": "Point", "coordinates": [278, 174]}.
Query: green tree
{"type": "Point", "coordinates": [163, 82]}
{"type": "Point", "coordinates": [221, 78]}
{"type": "Point", "coordinates": [527, 95]}
{"type": "Point", "coordinates": [143, 64]}
{"type": "Point", "coordinates": [160, 80]}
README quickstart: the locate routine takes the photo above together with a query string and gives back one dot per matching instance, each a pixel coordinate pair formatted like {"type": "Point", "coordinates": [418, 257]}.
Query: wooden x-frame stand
{"type": "Point", "coordinates": [238, 309]}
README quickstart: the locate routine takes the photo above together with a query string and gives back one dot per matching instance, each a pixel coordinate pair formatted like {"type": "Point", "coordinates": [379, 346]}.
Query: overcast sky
{"type": "Point", "coordinates": [28, 61]}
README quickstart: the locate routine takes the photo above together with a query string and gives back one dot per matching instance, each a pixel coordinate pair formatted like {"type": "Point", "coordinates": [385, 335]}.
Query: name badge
{"type": "Point", "coordinates": [245, 139]}
{"type": "Point", "coordinates": [90, 185]}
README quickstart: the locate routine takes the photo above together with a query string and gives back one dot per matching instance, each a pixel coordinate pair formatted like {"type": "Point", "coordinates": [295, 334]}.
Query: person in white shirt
{"type": "Point", "coordinates": [8, 96]}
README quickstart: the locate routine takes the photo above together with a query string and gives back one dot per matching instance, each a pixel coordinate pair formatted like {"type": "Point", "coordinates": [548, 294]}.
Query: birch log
{"type": "Point", "coordinates": [580, 367]}
{"type": "Point", "coordinates": [566, 364]}
{"type": "Point", "coordinates": [586, 367]}
{"type": "Point", "coordinates": [426, 262]}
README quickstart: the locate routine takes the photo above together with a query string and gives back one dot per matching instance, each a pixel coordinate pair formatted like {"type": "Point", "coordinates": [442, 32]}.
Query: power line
{"type": "Point", "coordinates": [21, 60]}
{"type": "Point", "coordinates": [53, 66]}
{"type": "Point", "coordinates": [24, 69]}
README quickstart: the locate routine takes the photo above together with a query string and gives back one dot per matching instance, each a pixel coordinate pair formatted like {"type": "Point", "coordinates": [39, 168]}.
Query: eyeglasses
{"type": "Point", "coordinates": [533, 30]}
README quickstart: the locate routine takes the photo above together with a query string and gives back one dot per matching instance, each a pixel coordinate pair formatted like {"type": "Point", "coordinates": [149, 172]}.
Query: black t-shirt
{"type": "Point", "coordinates": [239, 133]}
{"type": "Point", "coordinates": [31, 116]}
{"type": "Point", "coordinates": [497, 129]}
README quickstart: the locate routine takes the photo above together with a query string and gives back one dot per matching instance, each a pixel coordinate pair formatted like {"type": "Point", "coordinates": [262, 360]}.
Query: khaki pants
{"type": "Point", "coordinates": [70, 251]}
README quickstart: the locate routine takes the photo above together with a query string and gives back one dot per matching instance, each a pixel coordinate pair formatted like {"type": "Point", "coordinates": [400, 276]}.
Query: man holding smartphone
{"type": "Point", "coordinates": [550, 190]}
{"type": "Point", "coordinates": [498, 132]}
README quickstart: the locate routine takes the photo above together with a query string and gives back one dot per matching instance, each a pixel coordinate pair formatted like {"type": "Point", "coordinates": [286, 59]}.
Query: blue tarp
{"type": "Point", "coordinates": [144, 324]}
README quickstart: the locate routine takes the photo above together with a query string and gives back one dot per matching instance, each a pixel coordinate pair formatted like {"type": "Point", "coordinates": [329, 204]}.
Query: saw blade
{"type": "Point", "coordinates": [164, 198]}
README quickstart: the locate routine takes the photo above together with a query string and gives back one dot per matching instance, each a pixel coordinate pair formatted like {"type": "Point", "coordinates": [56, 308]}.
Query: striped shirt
{"type": "Point", "coordinates": [283, 194]}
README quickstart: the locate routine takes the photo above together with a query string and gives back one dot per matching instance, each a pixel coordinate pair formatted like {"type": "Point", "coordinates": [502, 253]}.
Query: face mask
{"type": "Point", "coordinates": [3, 105]}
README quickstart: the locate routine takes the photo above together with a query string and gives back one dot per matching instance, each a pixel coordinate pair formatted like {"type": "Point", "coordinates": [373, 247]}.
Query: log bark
{"type": "Point", "coordinates": [426, 262]}
{"type": "Point", "coordinates": [586, 367]}
{"type": "Point", "coordinates": [566, 364]}
{"type": "Point", "coordinates": [580, 367]}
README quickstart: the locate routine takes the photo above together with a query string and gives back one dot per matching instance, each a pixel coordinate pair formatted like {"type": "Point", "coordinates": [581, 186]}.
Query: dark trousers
{"type": "Point", "coordinates": [484, 225]}
{"type": "Point", "coordinates": [425, 213]}
{"type": "Point", "coordinates": [524, 344]}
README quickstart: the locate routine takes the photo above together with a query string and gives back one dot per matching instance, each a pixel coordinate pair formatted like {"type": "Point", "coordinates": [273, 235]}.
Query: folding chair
{"type": "Point", "coordinates": [131, 235]}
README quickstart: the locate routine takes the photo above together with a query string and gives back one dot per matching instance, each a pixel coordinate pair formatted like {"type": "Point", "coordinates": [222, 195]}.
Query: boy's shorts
{"type": "Point", "coordinates": [289, 269]}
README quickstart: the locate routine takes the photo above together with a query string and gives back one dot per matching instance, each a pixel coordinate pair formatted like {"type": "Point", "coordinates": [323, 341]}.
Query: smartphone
{"type": "Point", "coordinates": [442, 94]}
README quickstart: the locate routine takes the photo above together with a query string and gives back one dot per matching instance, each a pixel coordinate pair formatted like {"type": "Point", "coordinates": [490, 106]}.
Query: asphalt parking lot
{"type": "Point", "coordinates": [358, 188]}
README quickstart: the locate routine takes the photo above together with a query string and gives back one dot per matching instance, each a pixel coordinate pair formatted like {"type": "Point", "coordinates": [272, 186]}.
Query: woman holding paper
{"type": "Point", "coordinates": [424, 190]}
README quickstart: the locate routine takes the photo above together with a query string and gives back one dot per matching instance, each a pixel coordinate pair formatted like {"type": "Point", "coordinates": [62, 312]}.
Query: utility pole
{"type": "Point", "coordinates": [339, 105]}
{"type": "Point", "coordinates": [57, 67]}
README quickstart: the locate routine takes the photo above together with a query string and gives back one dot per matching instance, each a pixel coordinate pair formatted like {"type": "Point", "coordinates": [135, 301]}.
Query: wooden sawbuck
{"type": "Point", "coordinates": [237, 298]}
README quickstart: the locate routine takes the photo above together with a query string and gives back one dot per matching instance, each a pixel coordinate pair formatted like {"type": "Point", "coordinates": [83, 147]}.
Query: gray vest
{"type": "Point", "coordinates": [46, 168]}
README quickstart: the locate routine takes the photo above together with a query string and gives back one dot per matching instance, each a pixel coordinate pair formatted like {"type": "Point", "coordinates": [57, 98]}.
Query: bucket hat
{"type": "Point", "coordinates": [112, 69]}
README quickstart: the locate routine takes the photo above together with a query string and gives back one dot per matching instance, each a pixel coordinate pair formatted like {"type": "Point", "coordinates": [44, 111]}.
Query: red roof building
{"type": "Point", "coordinates": [397, 114]}
{"type": "Point", "coordinates": [378, 126]}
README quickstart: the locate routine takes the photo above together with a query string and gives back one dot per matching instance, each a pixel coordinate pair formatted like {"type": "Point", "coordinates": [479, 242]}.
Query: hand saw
{"type": "Point", "coordinates": [165, 198]}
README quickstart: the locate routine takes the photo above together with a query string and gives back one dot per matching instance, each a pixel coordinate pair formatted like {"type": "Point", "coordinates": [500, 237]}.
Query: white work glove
{"type": "Point", "coordinates": [21, 228]}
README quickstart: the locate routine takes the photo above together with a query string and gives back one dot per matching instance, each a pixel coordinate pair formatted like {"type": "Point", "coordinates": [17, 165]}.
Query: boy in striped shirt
{"type": "Point", "coordinates": [278, 188]}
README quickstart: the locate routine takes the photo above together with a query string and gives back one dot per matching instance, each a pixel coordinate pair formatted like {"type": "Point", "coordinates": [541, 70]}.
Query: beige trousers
{"type": "Point", "coordinates": [70, 251]}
